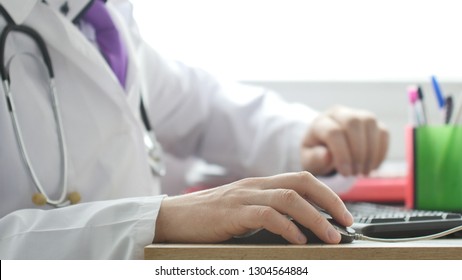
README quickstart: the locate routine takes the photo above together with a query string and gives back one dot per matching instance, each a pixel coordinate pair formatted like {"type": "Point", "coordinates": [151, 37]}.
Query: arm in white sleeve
{"type": "Point", "coordinates": [116, 229]}
{"type": "Point", "coordinates": [254, 131]}
{"type": "Point", "coordinates": [248, 130]}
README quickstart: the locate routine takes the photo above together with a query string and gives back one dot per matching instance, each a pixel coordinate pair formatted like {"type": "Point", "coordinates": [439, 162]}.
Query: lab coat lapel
{"type": "Point", "coordinates": [62, 36]}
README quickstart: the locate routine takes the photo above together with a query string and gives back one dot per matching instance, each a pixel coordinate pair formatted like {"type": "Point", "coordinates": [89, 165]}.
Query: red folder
{"type": "Point", "coordinates": [387, 190]}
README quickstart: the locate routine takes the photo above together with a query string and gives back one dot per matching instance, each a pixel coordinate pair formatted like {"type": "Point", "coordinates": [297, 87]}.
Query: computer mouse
{"type": "Point", "coordinates": [263, 236]}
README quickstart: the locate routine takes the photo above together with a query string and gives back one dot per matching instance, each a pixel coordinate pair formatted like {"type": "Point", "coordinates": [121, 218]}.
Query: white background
{"type": "Point", "coordinates": [309, 39]}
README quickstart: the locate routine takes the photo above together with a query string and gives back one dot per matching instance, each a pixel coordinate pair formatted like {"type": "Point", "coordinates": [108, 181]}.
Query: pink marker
{"type": "Point", "coordinates": [417, 112]}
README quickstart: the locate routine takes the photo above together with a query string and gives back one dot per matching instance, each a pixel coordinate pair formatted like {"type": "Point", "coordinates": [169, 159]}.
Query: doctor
{"type": "Point", "coordinates": [76, 178]}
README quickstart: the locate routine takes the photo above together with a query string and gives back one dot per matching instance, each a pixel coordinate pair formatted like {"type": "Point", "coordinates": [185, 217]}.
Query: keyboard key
{"type": "Point", "coordinates": [453, 216]}
{"type": "Point", "coordinates": [425, 218]}
{"type": "Point", "coordinates": [386, 220]}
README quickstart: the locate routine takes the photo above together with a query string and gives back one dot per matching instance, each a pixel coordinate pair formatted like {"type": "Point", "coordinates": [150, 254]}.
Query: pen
{"type": "Point", "coordinates": [438, 92]}
{"type": "Point", "coordinates": [421, 105]}
{"type": "Point", "coordinates": [415, 117]}
{"type": "Point", "coordinates": [449, 107]}
{"type": "Point", "coordinates": [439, 96]}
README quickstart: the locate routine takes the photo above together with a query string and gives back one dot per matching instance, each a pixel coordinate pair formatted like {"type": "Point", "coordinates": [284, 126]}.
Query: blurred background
{"type": "Point", "coordinates": [360, 53]}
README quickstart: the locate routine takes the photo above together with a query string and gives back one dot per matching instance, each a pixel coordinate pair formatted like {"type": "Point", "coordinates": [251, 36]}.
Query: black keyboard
{"type": "Point", "coordinates": [384, 221]}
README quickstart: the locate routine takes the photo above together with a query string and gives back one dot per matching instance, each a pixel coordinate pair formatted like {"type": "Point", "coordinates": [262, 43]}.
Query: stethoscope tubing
{"type": "Point", "coordinates": [35, 37]}
{"type": "Point", "coordinates": [6, 79]}
{"type": "Point", "coordinates": [153, 147]}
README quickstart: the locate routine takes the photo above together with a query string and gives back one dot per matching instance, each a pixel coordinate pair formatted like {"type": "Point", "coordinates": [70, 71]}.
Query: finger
{"type": "Point", "coordinates": [256, 216]}
{"type": "Point", "coordinates": [353, 126]}
{"type": "Point", "coordinates": [289, 202]}
{"type": "Point", "coordinates": [317, 160]}
{"type": "Point", "coordinates": [331, 134]}
{"type": "Point", "coordinates": [374, 146]}
{"type": "Point", "coordinates": [384, 139]}
{"type": "Point", "coordinates": [307, 186]}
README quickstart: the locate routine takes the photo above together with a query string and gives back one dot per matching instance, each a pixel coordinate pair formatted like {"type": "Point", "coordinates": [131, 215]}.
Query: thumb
{"type": "Point", "coordinates": [317, 160]}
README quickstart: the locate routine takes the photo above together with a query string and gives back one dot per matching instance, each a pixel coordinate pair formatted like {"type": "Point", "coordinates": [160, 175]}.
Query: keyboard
{"type": "Point", "coordinates": [385, 221]}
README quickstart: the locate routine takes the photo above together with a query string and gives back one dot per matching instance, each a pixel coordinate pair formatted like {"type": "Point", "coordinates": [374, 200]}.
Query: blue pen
{"type": "Point", "coordinates": [438, 93]}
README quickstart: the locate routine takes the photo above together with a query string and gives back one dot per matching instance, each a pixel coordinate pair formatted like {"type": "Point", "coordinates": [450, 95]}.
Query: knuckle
{"type": "Point", "coordinates": [318, 220]}
{"type": "Point", "coordinates": [264, 213]}
{"type": "Point", "coordinates": [250, 181]}
{"type": "Point", "coordinates": [305, 177]}
{"type": "Point", "coordinates": [353, 122]}
{"type": "Point", "coordinates": [336, 200]}
{"type": "Point", "coordinates": [370, 121]}
{"type": "Point", "coordinates": [289, 196]}
{"type": "Point", "coordinates": [335, 132]}
{"type": "Point", "coordinates": [288, 228]}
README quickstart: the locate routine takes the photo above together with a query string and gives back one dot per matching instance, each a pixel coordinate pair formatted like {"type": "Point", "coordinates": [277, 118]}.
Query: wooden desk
{"type": "Point", "coordinates": [441, 249]}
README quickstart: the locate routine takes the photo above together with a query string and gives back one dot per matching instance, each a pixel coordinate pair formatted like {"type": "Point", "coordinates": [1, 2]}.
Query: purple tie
{"type": "Point", "coordinates": [108, 39]}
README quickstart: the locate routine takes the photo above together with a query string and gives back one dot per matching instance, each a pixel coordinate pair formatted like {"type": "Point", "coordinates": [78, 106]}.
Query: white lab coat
{"type": "Point", "coordinates": [247, 130]}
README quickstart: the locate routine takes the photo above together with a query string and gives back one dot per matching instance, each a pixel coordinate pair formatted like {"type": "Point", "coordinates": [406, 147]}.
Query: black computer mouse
{"type": "Point", "coordinates": [264, 236]}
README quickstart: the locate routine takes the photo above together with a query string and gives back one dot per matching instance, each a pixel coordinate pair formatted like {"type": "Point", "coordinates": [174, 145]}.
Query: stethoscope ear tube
{"type": "Point", "coordinates": [37, 39]}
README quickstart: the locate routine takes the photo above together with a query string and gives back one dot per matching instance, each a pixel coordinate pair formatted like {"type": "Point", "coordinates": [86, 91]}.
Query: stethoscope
{"type": "Point", "coordinates": [153, 147]}
{"type": "Point", "coordinates": [41, 197]}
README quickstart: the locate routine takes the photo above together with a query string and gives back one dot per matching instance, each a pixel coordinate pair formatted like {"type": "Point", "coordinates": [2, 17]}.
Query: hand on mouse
{"type": "Point", "coordinates": [350, 141]}
{"type": "Point", "coordinates": [215, 215]}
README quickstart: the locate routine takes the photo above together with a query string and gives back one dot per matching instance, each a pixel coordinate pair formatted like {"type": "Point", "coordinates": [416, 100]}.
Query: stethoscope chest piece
{"type": "Point", "coordinates": [155, 154]}
{"type": "Point", "coordinates": [40, 199]}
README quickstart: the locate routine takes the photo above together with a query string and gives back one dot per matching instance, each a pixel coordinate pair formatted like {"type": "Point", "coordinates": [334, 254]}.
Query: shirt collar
{"type": "Point", "coordinates": [71, 9]}
{"type": "Point", "coordinates": [18, 10]}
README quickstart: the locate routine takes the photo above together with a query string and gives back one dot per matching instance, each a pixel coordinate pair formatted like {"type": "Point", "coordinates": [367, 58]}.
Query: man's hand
{"type": "Point", "coordinates": [352, 142]}
{"type": "Point", "coordinates": [215, 215]}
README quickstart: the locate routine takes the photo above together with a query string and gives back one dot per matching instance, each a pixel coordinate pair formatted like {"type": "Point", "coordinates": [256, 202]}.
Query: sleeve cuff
{"type": "Point", "coordinates": [146, 227]}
